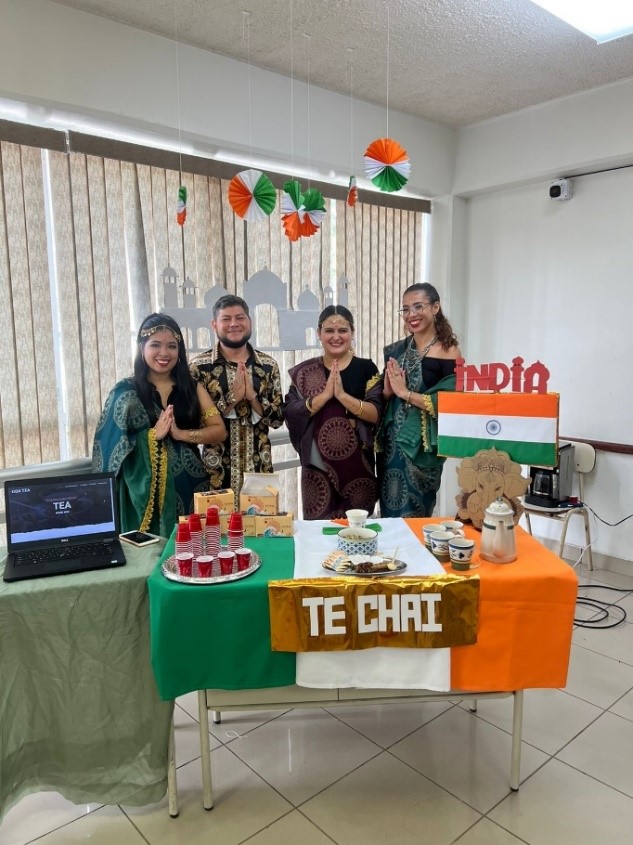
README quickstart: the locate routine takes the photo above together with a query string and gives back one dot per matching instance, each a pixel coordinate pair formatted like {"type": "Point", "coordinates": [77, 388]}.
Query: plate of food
{"type": "Point", "coordinates": [366, 566]}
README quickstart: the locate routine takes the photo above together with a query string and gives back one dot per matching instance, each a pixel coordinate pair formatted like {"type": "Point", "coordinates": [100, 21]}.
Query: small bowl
{"type": "Point", "coordinates": [358, 541]}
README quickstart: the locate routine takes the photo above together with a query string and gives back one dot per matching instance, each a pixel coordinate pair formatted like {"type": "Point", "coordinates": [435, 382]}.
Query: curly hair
{"type": "Point", "coordinates": [187, 406]}
{"type": "Point", "coordinates": [443, 328]}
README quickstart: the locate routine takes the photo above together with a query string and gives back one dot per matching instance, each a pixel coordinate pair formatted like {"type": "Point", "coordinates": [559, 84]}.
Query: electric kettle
{"type": "Point", "coordinates": [498, 543]}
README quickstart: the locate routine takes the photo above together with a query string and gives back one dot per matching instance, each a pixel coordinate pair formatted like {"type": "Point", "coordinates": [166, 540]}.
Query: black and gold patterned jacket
{"type": "Point", "coordinates": [247, 449]}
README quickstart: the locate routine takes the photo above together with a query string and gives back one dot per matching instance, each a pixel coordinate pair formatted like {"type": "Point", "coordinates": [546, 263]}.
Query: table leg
{"type": "Point", "coordinates": [473, 706]}
{"type": "Point", "coordinates": [205, 754]}
{"type": "Point", "coordinates": [517, 729]}
{"type": "Point", "coordinates": [172, 782]}
{"type": "Point", "coordinates": [217, 717]}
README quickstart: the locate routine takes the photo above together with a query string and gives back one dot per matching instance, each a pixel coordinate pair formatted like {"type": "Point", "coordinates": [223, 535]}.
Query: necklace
{"type": "Point", "coordinates": [426, 348]}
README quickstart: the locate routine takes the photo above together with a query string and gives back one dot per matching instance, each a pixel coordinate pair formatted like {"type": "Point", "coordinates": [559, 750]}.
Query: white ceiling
{"type": "Point", "coordinates": [451, 61]}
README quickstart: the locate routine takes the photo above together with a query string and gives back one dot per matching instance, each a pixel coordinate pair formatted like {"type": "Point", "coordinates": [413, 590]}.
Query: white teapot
{"type": "Point", "coordinates": [498, 542]}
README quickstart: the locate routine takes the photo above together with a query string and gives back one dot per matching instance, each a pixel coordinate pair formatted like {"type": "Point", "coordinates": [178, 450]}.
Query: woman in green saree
{"type": "Point", "coordinates": [150, 429]}
{"type": "Point", "coordinates": [416, 370]}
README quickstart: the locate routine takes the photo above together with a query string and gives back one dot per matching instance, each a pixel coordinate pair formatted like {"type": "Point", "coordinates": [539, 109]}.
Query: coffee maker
{"type": "Point", "coordinates": [550, 487]}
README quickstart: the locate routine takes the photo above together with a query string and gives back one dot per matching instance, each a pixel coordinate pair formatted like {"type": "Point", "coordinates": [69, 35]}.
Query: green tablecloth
{"type": "Point", "coordinates": [192, 644]}
{"type": "Point", "coordinates": [79, 708]}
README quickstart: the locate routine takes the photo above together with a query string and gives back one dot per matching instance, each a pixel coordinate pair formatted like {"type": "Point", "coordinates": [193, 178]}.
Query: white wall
{"type": "Point", "coordinates": [57, 56]}
{"type": "Point", "coordinates": [582, 132]}
{"type": "Point", "coordinates": [554, 280]}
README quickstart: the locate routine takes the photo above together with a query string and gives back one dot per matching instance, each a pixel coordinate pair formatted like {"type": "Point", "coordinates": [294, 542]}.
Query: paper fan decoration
{"type": "Point", "coordinates": [181, 208]}
{"type": "Point", "coordinates": [314, 212]}
{"type": "Point", "coordinates": [301, 213]}
{"type": "Point", "coordinates": [387, 164]}
{"type": "Point", "coordinates": [252, 195]}
{"type": "Point", "coordinates": [352, 192]}
{"type": "Point", "coordinates": [290, 205]}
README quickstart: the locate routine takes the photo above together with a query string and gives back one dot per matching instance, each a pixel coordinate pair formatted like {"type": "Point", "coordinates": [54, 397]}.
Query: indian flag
{"type": "Point", "coordinates": [525, 425]}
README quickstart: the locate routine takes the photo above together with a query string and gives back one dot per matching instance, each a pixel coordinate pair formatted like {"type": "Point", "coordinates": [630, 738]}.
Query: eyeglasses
{"type": "Point", "coordinates": [416, 308]}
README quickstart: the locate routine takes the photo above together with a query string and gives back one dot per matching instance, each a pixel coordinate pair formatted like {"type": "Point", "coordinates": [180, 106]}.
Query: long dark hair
{"type": "Point", "coordinates": [443, 328]}
{"type": "Point", "coordinates": [186, 404]}
{"type": "Point", "coordinates": [331, 310]}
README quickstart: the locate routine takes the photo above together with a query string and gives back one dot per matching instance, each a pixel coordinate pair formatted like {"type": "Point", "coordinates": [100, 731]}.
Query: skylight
{"type": "Point", "coordinates": [602, 20]}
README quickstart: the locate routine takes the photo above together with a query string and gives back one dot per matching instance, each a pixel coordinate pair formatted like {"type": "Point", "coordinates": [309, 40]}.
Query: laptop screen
{"type": "Point", "coordinates": [59, 510]}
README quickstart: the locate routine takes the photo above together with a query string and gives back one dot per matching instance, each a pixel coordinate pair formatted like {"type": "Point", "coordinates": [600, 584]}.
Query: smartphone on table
{"type": "Point", "coordinates": [138, 538]}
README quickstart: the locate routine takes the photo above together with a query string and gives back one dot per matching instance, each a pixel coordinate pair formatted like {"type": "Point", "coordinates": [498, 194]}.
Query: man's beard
{"type": "Point", "coordinates": [235, 344]}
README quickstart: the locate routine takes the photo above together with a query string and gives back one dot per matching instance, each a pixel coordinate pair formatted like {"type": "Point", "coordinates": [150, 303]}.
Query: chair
{"type": "Point", "coordinates": [584, 462]}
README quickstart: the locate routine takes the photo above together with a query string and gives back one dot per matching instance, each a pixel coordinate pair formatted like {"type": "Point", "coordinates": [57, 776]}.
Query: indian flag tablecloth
{"type": "Point", "coordinates": [374, 668]}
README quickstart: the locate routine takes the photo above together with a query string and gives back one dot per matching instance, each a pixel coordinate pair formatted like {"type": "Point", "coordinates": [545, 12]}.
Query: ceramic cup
{"type": "Point", "coordinates": [453, 525]}
{"type": "Point", "coordinates": [427, 530]}
{"type": "Point", "coordinates": [356, 518]}
{"type": "Point", "coordinates": [439, 543]}
{"type": "Point", "coordinates": [460, 551]}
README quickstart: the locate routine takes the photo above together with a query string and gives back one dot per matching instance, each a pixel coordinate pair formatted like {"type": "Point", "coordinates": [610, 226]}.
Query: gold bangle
{"type": "Point", "coordinates": [192, 436]}
{"type": "Point", "coordinates": [309, 405]}
{"type": "Point", "coordinates": [408, 399]}
{"type": "Point", "coordinates": [360, 408]}
{"type": "Point", "coordinates": [210, 412]}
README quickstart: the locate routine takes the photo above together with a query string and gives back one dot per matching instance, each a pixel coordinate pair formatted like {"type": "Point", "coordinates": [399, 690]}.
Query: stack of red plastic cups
{"type": "Point", "coordinates": [184, 554]}
{"type": "Point", "coordinates": [236, 531]}
{"type": "Point", "coordinates": [195, 529]}
{"type": "Point", "coordinates": [212, 531]}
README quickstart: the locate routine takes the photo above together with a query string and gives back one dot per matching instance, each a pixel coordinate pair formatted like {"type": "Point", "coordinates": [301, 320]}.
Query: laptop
{"type": "Point", "coordinates": [60, 525]}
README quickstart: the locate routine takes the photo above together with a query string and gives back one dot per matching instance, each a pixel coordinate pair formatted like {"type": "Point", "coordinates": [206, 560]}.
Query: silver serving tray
{"type": "Point", "coordinates": [169, 569]}
{"type": "Point", "coordinates": [347, 572]}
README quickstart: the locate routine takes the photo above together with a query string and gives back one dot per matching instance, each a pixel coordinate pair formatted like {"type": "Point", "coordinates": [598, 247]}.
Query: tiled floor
{"type": "Point", "coordinates": [432, 773]}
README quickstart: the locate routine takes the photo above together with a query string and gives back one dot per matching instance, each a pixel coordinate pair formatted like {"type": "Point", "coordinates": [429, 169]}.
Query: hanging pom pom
{"type": "Point", "coordinates": [252, 195]}
{"type": "Point", "coordinates": [292, 209]}
{"type": "Point", "coordinates": [181, 208]}
{"type": "Point", "coordinates": [314, 212]}
{"type": "Point", "coordinates": [302, 213]}
{"type": "Point", "coordinates": [352, 192]}
{"type": "Point", "coordinates": [387, 164]}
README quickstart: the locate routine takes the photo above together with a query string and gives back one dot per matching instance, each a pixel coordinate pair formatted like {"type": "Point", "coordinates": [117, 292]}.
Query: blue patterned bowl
{"type": "Point", "coordinates": [358, 541]}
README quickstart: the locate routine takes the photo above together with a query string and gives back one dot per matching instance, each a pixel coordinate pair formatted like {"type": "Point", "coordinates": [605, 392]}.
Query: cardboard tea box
{"type": "Point", "coordinates": [223, 499]}
{"type": "Point", "coordinates": [260, 493]}
{"type": "Point", "coordinates": [273, 525]}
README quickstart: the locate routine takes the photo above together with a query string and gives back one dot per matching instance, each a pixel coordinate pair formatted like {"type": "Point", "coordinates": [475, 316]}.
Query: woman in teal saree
{"type": "Point", "coordinates": [149, 432]}
{"type": "Point", "coordinates": [416, 370]}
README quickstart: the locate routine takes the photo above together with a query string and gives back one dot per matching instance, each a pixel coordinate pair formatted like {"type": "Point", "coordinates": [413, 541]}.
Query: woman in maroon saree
{"type": "Point", "coordinates": [331, 410]}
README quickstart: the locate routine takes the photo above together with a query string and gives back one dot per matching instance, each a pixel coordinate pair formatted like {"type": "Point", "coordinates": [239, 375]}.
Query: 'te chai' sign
{"type": "Point", "coordinates": [497, 376]}
{"type": "Point", "coordinates": [336, 614]}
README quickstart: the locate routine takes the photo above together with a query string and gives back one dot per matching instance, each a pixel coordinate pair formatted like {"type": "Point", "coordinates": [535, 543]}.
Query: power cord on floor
{"type": "Point", "coordinates": [604, 608]}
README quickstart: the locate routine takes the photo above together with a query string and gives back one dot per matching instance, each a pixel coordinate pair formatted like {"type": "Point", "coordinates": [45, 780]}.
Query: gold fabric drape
{"type": "Point", "coordinates": [341, 614]}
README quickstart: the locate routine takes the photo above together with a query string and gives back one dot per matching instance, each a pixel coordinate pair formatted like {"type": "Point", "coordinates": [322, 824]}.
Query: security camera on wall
{"type": "Point", "coordinates": [560, 189]}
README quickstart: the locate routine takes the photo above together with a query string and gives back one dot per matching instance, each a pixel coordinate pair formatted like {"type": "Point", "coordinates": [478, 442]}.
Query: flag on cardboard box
{"type": "Point", "coordinates": [525, 425]}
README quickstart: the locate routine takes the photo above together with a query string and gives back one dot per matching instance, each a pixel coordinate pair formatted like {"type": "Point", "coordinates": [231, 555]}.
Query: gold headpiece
{"type": "Point", "coordinates": [162, 328]}
{"type": "Point", "coordinates": [335, 320]}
